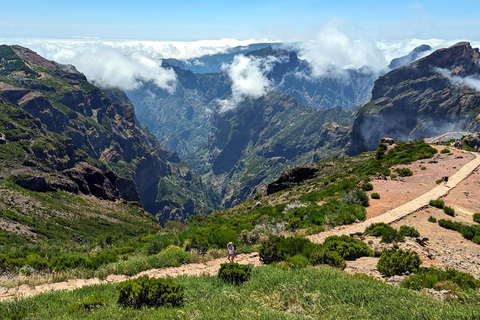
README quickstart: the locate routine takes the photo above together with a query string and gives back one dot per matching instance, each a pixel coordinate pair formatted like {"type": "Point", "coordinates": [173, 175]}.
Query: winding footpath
{"type": "Point", "coordinates": [211, 268]}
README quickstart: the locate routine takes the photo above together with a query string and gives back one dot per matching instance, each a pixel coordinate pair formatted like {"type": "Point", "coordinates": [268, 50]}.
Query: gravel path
{"type": "Point", "coordinates": [211, 268]}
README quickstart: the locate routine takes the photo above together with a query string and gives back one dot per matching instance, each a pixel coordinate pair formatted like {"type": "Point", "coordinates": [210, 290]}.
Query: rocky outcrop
{"type": "Point", "coordinates": [291, 178]}
{"type": "Point", "coordinates": [426, 98]}
{"type": "Point", "coordinates": [91, 180]}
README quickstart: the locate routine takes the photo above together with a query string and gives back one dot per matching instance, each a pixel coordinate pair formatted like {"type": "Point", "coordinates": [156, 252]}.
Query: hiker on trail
{"type": "Point", "coordinates": [232, 251]}
{"type": "Point", "coordinates": [445, 180]}
{"type": "Point", "coordinates": [438, 142]}
{"type": "Point", "coordinates": [475, 148]}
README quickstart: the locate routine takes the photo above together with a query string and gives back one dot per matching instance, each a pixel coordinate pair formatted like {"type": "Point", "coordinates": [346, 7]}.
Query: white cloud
{"type": "Point", "coordinates": [333, 47]}
{"type": "Point", "coordinates": [470, 81]}
{"type": "Point", "coordinates": [124, 64]}
{"type": "Point", "coordinates": [249, 80]}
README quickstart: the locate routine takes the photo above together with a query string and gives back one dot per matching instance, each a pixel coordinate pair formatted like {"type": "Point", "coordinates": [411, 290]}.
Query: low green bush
{"type": "Point", "coordinates": [297, 262]}
{"type": "Point", "coordinates": [449, 210]}
{"type": "Point", "coordinates": [347, 247]}
{"type": "Point", "coordinates": [356, 196]}
{"type": "Point", "coordinates": [432, 219]}
{"type": "Point", "coordinates": [375, 195]}
{"type": "Point", "coordinates": [88, 304]}
{"type": "Point", "coordinates": [446, 150]}
{"type": "Point", "coordinates": [407, 231]}
{"type": "Point", "coordinates": [397, 262]}
{"type": "Point", "coordinates": [468, 232]}
{"type": "Point", "coordinates": [331, 258]}
{"type": "Point", "coordinates": [430, 277]}
{"type": "Point", "coordinates": [150, 292]}
{"type": "Point", "coordinates": [404, 172]}
{"type": "Point", "coordinates": [476, 217]}
{"type": "Point", "coordinates": [449, 224]}
{"type": "Point", "coordinates": [384, 230]}
{"type": "Point", "coordinates": [279, 248]}
{"type": "Point", "coordinates": [235, 273]}
{"type": "Point", "coordinates": [367, 186]}
{"type": "Point", "coordinates": [437, 203]}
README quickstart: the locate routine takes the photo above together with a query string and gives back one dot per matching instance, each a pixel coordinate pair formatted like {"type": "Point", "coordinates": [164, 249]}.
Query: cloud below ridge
{"type": "Point", "coordinates": [249, 80]}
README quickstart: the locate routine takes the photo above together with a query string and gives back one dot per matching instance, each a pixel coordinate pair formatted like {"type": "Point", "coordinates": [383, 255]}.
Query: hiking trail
{"type": "Point", "coordinates": [210, 268]}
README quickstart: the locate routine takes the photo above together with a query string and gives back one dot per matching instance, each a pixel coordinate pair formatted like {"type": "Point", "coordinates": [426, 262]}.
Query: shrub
{"type": "Point", "coordinates": [381, 149]}
{"type": "Point", "coordinates": [157, 244]}
{"type": "Point", "coordinates": [394, 176]}
{"type": "Point", "coordinates": [367, 186]}
{"type": "Point", "coordinates": [404, 172]}
{"type": "Point", "coordinates": [434, 277]}
{"type": "Point", "coordinates": [198, 243]}
{"type": "Point", "coordinates": [150, 292]}
{"type": "Point", "coordinates": [446, 150]}
{"type": "Point", "coordinates": [279, 248]}
{"type": "Point", "coordinates": [423, 168]}
{"type": "Point", "coordinates": [347, 247]}
{"type": "Point", "coordinates": [234, 273]}
{"type": "Point", "coordinates": [375, 195]}
{"type": "Point", "coordinates": [356, 196]}
{"type": "Point", "coordinates": [476, 217]}
{"type": "Point", "coordinates": [407, 231]}
{"type": "Point", "coordinates": [476, 239]}
{"type": "Point", "coordinates": [88, 304]}
{"type": "Point", "coordinates": [437, 203]}
{"type": "Point", "coordinates": [384, 230]}
{"type": "Point", "coordinates": [331, 258]}
{"type": "Point", "coordinates": [68, 261]}
{"type": "Point", "coordinates": [432, 219]}
{"type": "Point", "coordinates": [297, 262]}
{"type": "Point", "coordinates": [449, 210]}
{"type": "Point", "coordinates": [397, 262]}
{"type": "Point", "coordinates": [449, 224]}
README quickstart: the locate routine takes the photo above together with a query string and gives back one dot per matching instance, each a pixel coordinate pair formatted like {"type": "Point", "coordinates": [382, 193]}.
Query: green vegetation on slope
{"type": "Point", "coordinates": [271, 293]}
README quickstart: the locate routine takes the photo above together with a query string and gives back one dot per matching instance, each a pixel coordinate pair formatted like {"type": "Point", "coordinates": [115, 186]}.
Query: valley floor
{"type": "Point", "coordinates": [403, 201]}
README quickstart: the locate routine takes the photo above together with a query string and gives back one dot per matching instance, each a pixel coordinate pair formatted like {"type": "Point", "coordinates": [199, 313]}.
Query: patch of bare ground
{"type": "Point", "coordinates": [394, 193]}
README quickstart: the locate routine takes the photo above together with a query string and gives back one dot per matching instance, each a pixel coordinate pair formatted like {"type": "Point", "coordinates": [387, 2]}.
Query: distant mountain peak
{"type": "Point", "coordinates": [410, 57]}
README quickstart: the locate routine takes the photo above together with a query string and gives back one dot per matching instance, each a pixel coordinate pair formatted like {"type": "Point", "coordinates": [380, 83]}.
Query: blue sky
{"type": "Point", "coordinates": [186, 20]}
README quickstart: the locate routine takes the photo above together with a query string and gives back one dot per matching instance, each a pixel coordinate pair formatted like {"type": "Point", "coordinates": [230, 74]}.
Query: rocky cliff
{"type": "Point", "coordinates": [61, 132]}
{"type": "Point", "coordinates": [252, 144]}
{"type": "Point", "coordinates": [428, 97]}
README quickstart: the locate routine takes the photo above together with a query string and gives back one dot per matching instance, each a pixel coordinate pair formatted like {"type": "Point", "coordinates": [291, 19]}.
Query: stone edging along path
{"type": "Point", "coordinates": [211, 267]}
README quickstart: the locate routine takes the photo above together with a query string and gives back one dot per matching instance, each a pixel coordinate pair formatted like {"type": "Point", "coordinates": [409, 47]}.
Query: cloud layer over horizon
{"type": "Point", "coordinates": [124, 64]}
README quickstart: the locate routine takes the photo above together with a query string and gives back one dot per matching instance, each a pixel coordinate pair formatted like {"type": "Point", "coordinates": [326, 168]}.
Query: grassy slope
{"type": "Point", "coordinates": [271, 293]}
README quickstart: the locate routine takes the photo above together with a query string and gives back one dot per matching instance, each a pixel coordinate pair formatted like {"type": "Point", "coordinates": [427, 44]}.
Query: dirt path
{"type": "Point", "coordinates": [410, 207]}
{"type": "Point", "coordinates": [211, 267]}
{"type": "Point", "coordinates": [208, 268]}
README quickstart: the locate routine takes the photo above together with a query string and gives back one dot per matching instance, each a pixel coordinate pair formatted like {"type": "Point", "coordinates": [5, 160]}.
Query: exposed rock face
{"type": "Point", "coordinates": [426, 98]}
{"type": "Point", "coordinates": [69, 135]}
{"type": "Point", "coordinates": [91, 180]}
{"type": "Point", "coordinates": [291, 178]}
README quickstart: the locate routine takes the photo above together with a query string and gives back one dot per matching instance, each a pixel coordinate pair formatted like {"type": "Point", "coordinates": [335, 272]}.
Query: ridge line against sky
{"type": "Point", "coordinates": [187, 20]}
